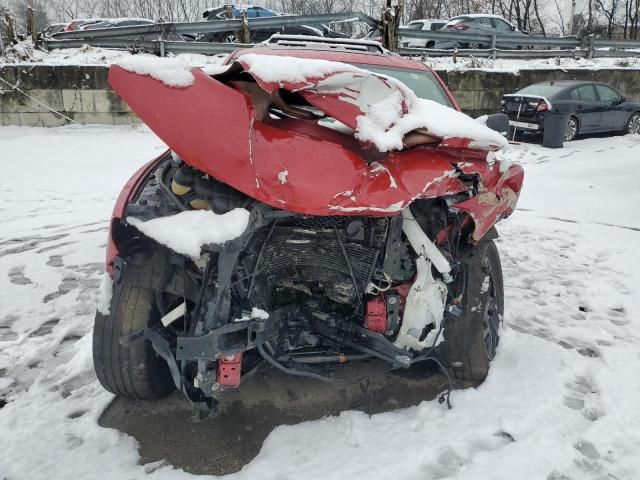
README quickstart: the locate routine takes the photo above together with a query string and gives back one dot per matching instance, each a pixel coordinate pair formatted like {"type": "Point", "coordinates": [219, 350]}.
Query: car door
{"type": "Point", "coordinates": [587, 107]}
{"type": "Point", "coordinates": [480, 26]}
{"type": "Point", "coordinates": [613, 116]}
{"type": "Point", "coordinates": [413, 42]}
{"type": "Point", "coordinates": [504, 29]}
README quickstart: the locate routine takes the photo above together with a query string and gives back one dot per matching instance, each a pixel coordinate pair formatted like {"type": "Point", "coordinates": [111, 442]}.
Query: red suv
{"type": "Point", "coordinates": [323, 202]}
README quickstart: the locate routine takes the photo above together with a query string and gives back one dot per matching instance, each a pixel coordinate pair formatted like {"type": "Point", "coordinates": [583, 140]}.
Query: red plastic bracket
{"type": "Point", "coordinates": [376, 317]}
{"type": "Point", "coordinates": [229, 369]}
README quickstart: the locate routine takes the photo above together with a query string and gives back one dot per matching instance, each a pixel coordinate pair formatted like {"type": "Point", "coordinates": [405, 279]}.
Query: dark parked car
{"type": "Point", "coordinates": [52, 29]}
{"type": "Point", "coordinates": [592, 106]}
{"type": "Point", "coordinates": [481, 24]}
{"type": "Point", "coordinates": [118, 22]}
{"type": "Point", "coordinates": [220, 13]}
{"type": "Point", "coordinates": [257, 35]}
{"type": "Point", "coordinates": [80, 23]}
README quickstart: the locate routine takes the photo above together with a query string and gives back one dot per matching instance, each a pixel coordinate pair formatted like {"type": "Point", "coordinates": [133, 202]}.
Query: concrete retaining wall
{"type": "Point", "coordinates": [79, 92]}
{"type": "Point", "coordinates": [82, 92]}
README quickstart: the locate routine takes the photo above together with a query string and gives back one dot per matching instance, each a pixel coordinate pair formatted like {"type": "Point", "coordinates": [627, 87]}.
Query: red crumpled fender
{"type": "Point", "coordinates": [293, 164]}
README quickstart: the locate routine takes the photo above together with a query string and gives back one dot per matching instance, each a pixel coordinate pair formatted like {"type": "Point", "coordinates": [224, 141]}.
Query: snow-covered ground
{"type": "Point", "coordinates": [25, 54]}
{"type": "Point", "coordinates": [561, 401]}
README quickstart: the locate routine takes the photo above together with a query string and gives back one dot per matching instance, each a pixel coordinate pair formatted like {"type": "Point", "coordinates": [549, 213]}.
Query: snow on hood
{"type": "Point", "coordinates": [387, 110]}
{"type": "Point", "coordinates": [173, 72]}
{"type": "Point", "coordinates": [186, 232]}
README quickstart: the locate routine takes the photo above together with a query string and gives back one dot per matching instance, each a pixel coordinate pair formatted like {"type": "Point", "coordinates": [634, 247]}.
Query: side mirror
{"type": "Point", "coordinates": [498, 122]}
{"type": "Point", "coordinates": [513, 28]}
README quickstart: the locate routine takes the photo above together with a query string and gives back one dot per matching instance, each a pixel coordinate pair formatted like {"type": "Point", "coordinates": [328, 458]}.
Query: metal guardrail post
{"type": "Point", "coordinates": [245, 34]}
{"type": "Point", "coordinates": [493, 47]}
{"type": "Point", "coordinates": [32, 28]}
{"type": "Point", "coordinates": [591, 46]}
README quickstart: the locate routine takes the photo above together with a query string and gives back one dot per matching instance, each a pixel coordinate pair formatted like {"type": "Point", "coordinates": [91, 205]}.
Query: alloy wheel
{"type": "Point", "coordinates": [231, 38]}
{"type": "Point", "coordinates": [491, 317]}
{"type": "Point", "coordinates": [572, 130]}
{"type": "Point", "coordinates": [634, 124]}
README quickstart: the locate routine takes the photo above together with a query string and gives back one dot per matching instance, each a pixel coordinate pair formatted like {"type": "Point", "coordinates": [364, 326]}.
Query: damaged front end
{"type": "Point", "coordinates": [358, 228]}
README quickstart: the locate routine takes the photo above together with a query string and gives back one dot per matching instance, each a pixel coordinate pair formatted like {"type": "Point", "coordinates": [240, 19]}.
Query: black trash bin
{"type": "Point", "coordinates": [554, 129]}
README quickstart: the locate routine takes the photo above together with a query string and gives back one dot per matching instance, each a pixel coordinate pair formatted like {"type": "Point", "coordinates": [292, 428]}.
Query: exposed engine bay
{"type": "Point", "coordinates": [336, 288]}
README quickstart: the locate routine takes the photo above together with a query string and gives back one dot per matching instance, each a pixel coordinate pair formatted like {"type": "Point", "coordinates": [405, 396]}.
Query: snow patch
{"type": "Point", "coordinates": [259, 314]}
{"type": "Point", "coordinates": [390, 109]}
{"type": "Point", "coordinates": [281, 69]}
{"type": "Point", "coordinates": [105, 294]}
{"type": "Point", "coordinates": [187, 232]}
{"type": "Point", "coordinates": [385, 125]}
{"type": "Point", "coordinates": [173, 72]}
{"type": "Point", "coordinates": [282, 176]}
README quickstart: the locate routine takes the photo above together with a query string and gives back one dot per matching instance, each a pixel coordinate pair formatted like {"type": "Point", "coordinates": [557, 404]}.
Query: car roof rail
{"type": "Point", "coordinates": [307, 41]}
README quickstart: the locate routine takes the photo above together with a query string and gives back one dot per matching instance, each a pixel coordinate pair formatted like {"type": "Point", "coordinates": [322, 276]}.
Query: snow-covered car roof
{"type": "Point", "coordinates": [480, 15]}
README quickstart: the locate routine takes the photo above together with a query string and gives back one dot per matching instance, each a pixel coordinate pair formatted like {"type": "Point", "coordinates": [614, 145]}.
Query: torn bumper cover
{"type": "Point", "coordinates": [225, 126]}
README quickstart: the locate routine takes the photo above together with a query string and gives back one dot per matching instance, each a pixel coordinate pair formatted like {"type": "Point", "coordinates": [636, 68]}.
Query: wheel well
{"type": "Point", "coordinates": [576, 119]}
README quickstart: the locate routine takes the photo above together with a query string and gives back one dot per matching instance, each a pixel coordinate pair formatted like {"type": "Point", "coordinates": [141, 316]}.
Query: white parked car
{"type": "Point", "coordinates": [423, 24]}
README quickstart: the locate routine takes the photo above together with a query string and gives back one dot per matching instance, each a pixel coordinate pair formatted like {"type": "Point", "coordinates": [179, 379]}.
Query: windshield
{"type": "Point", "coordinates": [541, 90]}
{"type": "Point", "coordinates": [422, 82]}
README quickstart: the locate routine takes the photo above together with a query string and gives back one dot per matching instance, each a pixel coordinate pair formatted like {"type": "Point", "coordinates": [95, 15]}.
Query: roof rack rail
{"type": "Point", "coordinates": [346, 44]}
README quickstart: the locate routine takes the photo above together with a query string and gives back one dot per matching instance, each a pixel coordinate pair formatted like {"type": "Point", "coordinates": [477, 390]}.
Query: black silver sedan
{"type": "Point", "coordinates": [592, 107]}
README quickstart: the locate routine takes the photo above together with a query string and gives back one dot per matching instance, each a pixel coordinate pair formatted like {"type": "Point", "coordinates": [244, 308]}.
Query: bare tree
{"type": "Point", "coordinates": [608, 8]}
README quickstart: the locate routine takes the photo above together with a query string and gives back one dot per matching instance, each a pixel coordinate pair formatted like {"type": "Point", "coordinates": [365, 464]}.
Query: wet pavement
{"type": "Point", "coordinates": [172, 431]}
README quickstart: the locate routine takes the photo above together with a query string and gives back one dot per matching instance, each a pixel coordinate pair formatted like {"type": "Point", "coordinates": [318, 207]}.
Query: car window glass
{"type": "Point", "coordinates": [423, 83]}
{"type": "Point", "coordinates": [415, 26]}
{"type": "Point", "coordinates": [607, 94]}
{"type": "Point", "coordinates": [586, 92]}
{"type": "Point", "coordinates": [437, 26]}
{"type": "Point", "coordinates": [481, 21]}
{"type": "Point", "coordinates": [457, 21]}
{"type": "Point", "coordinates": [501, 24]}
{"type": "Point", "coordinates": [574, 95]}
{"type": "Point", "coordinates": [541, 89]}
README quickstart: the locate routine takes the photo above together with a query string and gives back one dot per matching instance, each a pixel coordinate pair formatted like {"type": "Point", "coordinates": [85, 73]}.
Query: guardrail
{"type": "Point", "coordinates": [230, 25]}
{"type": "Point", "coordinates": [155, 39]}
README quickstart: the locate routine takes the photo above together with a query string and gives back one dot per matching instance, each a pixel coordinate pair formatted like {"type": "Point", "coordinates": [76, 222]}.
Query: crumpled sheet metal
{"type": "Point", "coordinates": [301, 166]}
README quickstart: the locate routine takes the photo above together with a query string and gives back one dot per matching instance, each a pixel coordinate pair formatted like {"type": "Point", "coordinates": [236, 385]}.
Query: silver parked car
{"type": "Point", "coordinates": [425, 24]}
{"type": "Point", "coordinates": [482, 24]}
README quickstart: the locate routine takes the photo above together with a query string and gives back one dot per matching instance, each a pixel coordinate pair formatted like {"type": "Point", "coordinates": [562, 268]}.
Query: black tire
{"type": "Point", "coordinates": [136, 371]}
{"type": "Point", "coordinates": [633, 125]}
{"type": "Point", "coordinates": [230, 37]}
{"type": "Point", "coordinates": [470, 341]}
{"type": "Point", "coordinates": [571, 132]}
{"type": "Point", "coordinates": [430, 44]}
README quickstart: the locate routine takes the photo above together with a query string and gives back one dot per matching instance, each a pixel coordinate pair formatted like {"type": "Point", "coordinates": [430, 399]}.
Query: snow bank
{"type": "Point", "coordinates": [173, 72]}
{"type": "Point", "coordinates": [186, 232]}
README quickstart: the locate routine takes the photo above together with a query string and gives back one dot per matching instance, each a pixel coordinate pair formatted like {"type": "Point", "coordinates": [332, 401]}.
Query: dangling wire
{"type": "Point", "coordinates": [53, 110]}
